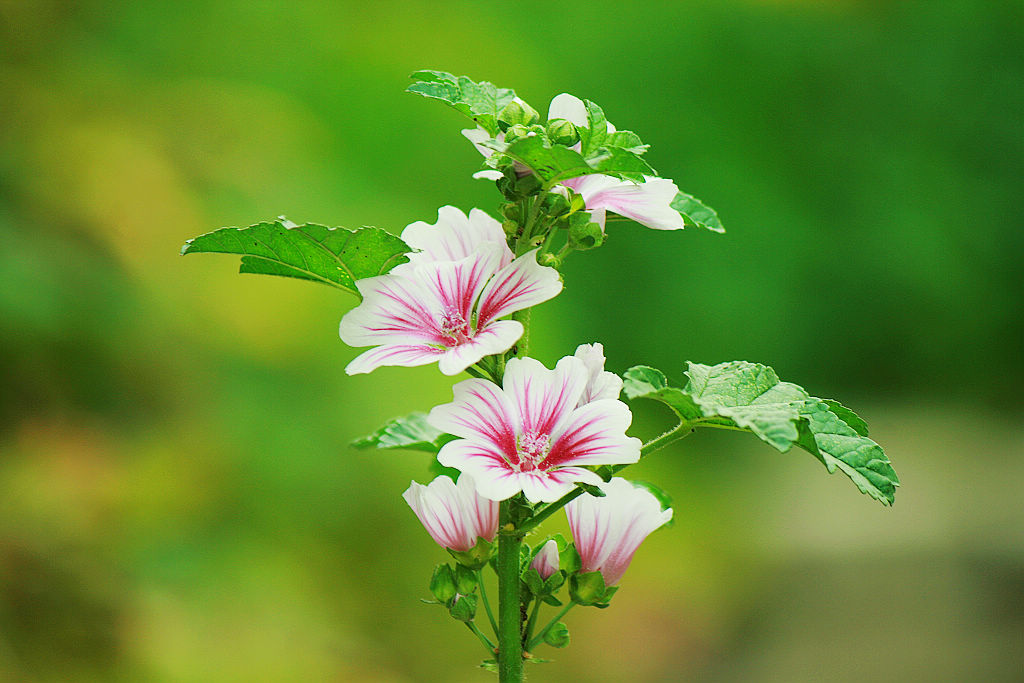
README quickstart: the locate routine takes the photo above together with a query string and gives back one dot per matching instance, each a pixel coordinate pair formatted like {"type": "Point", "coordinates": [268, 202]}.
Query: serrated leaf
{"type": "Point", "coordinates": [697, 213]}
{"type": "Point", "coordinates": [412, 432]}
{"type": "Point", "coordinates": [596, 139]}
{"type": "Point", "coordinates": [839, 446]}
{"type": "Point", "coordinates": [750, 397]}
{"type": "Point", "coordinates": [481, 101]}
{"type": "Point", "coordinates": [333, 256]}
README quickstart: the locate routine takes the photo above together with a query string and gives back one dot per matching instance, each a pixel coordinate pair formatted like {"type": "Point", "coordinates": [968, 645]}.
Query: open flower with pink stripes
{"type": "Point", "coordinates": [607, 531]}
{"type": "Point", "coordinates": [531, 434]}
{"type": "Point", "coordinates": [446, 304]}
{"type": "Point", "coordinates": [453, 514]}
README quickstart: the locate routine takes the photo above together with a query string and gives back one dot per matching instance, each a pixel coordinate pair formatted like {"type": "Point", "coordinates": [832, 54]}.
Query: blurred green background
{"type": "Point", "coordinates": [178, 501]}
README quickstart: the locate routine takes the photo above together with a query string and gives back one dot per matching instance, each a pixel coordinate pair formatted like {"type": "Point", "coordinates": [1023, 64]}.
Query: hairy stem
{"type": "Point", "coordinates": [510, 643]}
{"type": "Point", "coordinates": [487, 603]}
{"type": "Point", "coordinates": [544, 631]}
{"type": "Point", "coordinates": [483, 639]}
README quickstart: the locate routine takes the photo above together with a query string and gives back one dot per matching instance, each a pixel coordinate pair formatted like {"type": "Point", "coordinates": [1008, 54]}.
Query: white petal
{"type": "Point", "coordinates": [595, 434]}
{"type": "Point", "coordinates": [397, 308]}
{"type": "Point", "coordinates": [483, 511]}
{"type": "Point", "coordinates": [488, 174]}
{"type": "Point", "coordinates": [478, 135]}
{"type": "Point", "coordinates": [405, 355]}
{"type": "Point", "coordinates": [494, 479]}
{"type": "Point", "coordinates": [521, 284]}
{"type": "Point", "coordinates": [568, 107]}
{"type": "Point", "coordinates": [497, 337]}
{"type": "Point", "coordinates": [480, 412]}
{"type": "Point", "coordinates": [454, 236]}
{"type": "Point", "coordinates": [544, 399]}
{"type": "Point", "coordinates": [647, 203]}
{"type": "Point", "coordinates": [600, 384]}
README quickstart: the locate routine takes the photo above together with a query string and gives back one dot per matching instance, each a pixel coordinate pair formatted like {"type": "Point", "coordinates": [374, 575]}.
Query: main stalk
{"type": "Point", "coordinates": [510, 638]}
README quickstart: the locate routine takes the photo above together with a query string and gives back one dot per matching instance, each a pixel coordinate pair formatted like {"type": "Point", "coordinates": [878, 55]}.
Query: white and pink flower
{"type": "Point", "coordinates": [546, 560]}
{"type": "Point", "coordinates": [647, 203]}
{"type": "Point", "coordinates": [607, 531]}
{"type": "Point", "coordinates": [600, 383]}
{"type": "Point", "coordinates": [455, 516]}
{"type": "Point", "coordinates": [446, 304]}
{"type": "Point", "coordinates": [532, 434]}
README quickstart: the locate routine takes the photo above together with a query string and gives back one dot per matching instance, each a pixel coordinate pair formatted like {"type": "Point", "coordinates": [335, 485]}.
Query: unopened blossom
{"type": "Point", "coordinates": [647, 203]}
{"type": "Point", "coordinates": [455, 516]}
{"type": "Point", "coordinates": [546, 559]}
{"type": "Point", "coordinates": [600, 383]}
{"type": "Point", "coordinates": [531, 434]}
{"type": "Point", "coordinates": [446, 304]}
{"type": "Point", "coordinates": [607, 531]}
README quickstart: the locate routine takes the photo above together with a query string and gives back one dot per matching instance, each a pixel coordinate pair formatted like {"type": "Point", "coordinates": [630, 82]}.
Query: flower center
{"type": "Point", "coordinates": [532, 448]}
{"type": "Point", "coordinates": [454, 327]}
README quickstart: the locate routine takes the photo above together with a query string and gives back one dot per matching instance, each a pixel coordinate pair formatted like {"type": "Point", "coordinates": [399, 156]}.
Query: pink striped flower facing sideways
{"type": "Point", "coordinates": [546, 560]}
{"type": "Point", "coordinates": [607, 531]}
{"type": "Point", "coordinates": [455, 516]}
{"type": "Point", "coordinates": [532, 434]}
{"type": "Point", "coordinates": [446, 304]}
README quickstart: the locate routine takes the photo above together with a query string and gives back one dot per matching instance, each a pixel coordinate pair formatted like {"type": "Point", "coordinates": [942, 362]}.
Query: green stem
{"type": "Point", "coordinates": [532, 218]}
{"type": "Point", "coordinates": [510, 624]}
{"type": "Point", "coordinates": [483, 639]}
{"type": "Point", "coordinates": [487, 603]}
{"type": "Point", "coordinates": [681, 430]}
{"type": "Point", "coordinates": [531, 622]}
{"type": "Point", "coordinates": [523, 345]}
{"type": "Point", "coordinates": [540, 636]}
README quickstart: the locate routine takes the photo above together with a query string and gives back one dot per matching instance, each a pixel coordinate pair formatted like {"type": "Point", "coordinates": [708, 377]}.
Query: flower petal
{"type": "Point", "coordinates": [454, 236]}
{"type": "Point", "coordinates": [595, 434]}
{"type": "Point", "coordinates": [647, 203]}
{"type": "Point", "coordinates": [482, 413]}
{"type": "Point", "coordinates": [494, 478]}
{"type": "Point", "coordinates": [544, 399]}
{"type": "Point", "coordinates": [547, 487]}
{"type": "Point", "coordinates": [397, 308]}
{"type": "Point", "coordinates": [600, 383]}
{"type": "Point", "coordinates": [497, 337]}
{"type": "Point", "coordinates": [568, 107]}
{"type": "Point", "coordinates": [521, 284]}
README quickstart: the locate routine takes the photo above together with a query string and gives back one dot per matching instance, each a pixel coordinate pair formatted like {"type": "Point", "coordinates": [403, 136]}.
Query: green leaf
{"type": "Point", "coordinates": [839, 446]}
{"type": "Point", "coordinates": [749, 397]}
{"type": "Point", "coordinates": [697, 213]}
{"type": "Point", "coordinates": [481, 101]}
{"type": "Point", "coordinates": [333, 256]}
{"type": "Point", "coordinates": [595, 139]}
{"type": "Point", "coordinates": [555, 163]}
{"type": "Point", "coordinates": [412, 432]}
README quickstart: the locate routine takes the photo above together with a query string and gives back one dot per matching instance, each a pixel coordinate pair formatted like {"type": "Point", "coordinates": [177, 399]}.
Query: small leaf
{"type": "Point", "coordinates": [555, 163]}
{"type": "Point", "coordinates": [697, 213]}
{"type": "Point", "coordinates": [412, 432]}
{"type": "Point", "coordinates": [592, 490]}
{"type": "Point", "coordinates": [333, 256]}
{"type": "Point", "coordinates": [596, 138]}
{"type": "Point", "coordinates": [481, 101]}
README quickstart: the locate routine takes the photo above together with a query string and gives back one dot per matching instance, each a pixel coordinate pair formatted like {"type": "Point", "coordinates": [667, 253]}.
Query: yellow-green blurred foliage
{"type": "Point", "coordinates": [177, 498]}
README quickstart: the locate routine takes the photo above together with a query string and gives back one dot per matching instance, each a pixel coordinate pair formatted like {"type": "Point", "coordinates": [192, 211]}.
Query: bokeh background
{"type": "Point", "coordinates": [178, 500]}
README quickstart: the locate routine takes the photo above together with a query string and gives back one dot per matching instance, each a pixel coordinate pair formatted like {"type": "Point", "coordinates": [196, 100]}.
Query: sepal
{"type": "Point", "coordinates": [557, 635]}
{"type": "Point", "coordinates": [463, 607]}
{"type": "Point", "coordinates": [589, 589]}
{"type": "Point", "coordinates": [477, 556]}
{"type": "Point", "coordinates": [442, 583]}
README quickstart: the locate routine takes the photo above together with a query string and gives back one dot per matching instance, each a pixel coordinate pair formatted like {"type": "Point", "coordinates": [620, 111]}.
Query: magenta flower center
{"type": "Point", "coordinates": [532, 448]}
{"type": "Point", "coordinates": [454, 326]}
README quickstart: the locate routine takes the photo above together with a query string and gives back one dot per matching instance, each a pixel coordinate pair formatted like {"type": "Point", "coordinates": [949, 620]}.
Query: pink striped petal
{"type": "Point", "coordinates": [497, 337]}
{"type": "Point", "coordinates": [493, 476]}
{"type": "Point", "coordinates": [595, 434]}
{"type": "Point", "coordinates": [458, 284]}
{"type": "Point", "coordinates": [397, 308]}
{"type": "Point", "coordinates": [544, 399]}
{"type": "Point", "coordinates": [405, 355]}
{"type": "Point", "coordinates": [521, 284]}
{"type": "Point", "coordinates": [546, 559]}
{"type": "Point", "coordinates": [647, 203]}
{"type": "Point", "coordinates": [546, 487]}
{"type": "Point", "coordinates": [454, 236]}
{"type": "Point", "coordinates": [481, 413]}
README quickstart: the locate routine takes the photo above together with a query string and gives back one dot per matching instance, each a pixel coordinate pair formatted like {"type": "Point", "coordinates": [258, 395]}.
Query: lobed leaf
{"type": "Point", "coordinates": [596, 139]}
{"type": "Point", "coordinates": [333, 256]}
{"type": "Point", "coordinates": [481, 101]}
{"type": "Point", "coordinates": [697, 213]}
{"type": "Point", "coordinates": [749, 397]}
{"type": "Point", "coordinates": [412, 432]}
{"type": "Point", "coordinates": [555, 163]}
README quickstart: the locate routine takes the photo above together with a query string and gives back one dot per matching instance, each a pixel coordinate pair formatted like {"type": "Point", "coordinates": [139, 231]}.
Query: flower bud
{"type": "Point", "coordinates": [557, 635]}
{"type": "Point", "coordinates": [518, 112]}
{"type": "Point", "coordinates": [463, 608]}
{"type": "Point", "coordinates": [465, 580]}
{"type": "Point", "coordinates": [587, 588]}
{"type": "Point", "coordinates": [583, 236]}
{"type": "Point", "coordinates": [555, 204]}
{"type": "Point", "coordinates": [546, 560]}
{"type": "Point", "coordinates": [442, 583]}
{"type": "Point", "coordinates": [563, 132]}
{"type": "Point", "coordinates": [549, 260]}
{"type": "Point", "coordinates": [476, 557]}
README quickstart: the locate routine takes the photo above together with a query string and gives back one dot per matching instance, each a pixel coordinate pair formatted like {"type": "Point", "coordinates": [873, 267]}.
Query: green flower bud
{"type": "Point", "coordinates": [557, 635]}
{"type": "Point", "coordinates": [549, 260]}
{"type": "Point", "coordinates": [463, 608]}
{"type": "Point", "coordinates": [442, 583]}
{"type": "Point", "coordinates": [587, 589]}
{"type": "Point", "coordinates": [516, 131]}
{"type": "Point", "coordinates": [585, 235]}
{"type": "Point", "coordinates": [518, 112]}
{"type": "Point", "coordinates": [563, 132]}
{"type": "Point", "coordinates": [533, 581]}
{"type": "Point", "coordinates": [555, 204]}
{"type": "Point", "coordinates": [465, 579]}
